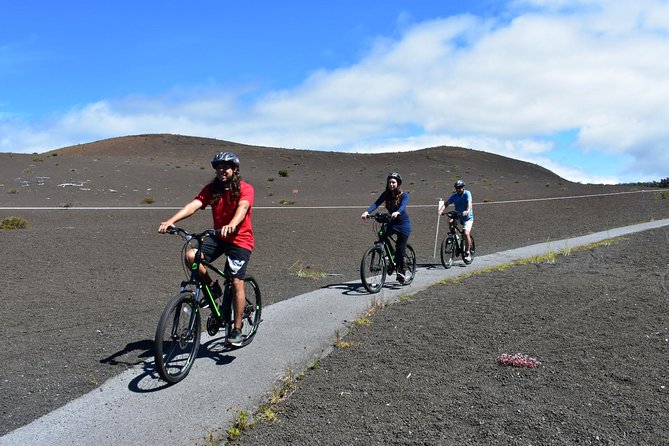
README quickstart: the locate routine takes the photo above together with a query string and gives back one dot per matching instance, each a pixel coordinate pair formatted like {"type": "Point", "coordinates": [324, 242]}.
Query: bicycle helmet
{"type": "Point", "coordinates": [395, 175]}
{"type": "Point", "coordinates": [225, 157]}
{"type": "Point", "coordinates": [458, 184]}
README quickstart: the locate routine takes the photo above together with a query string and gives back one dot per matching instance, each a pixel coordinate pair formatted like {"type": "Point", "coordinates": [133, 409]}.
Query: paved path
{"type": "Point", "coordinates": [137, 408]}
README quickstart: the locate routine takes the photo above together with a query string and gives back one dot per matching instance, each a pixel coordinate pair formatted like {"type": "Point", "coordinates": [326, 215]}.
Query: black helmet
{"type": "Point", "coordinates": [395, 175]}
{"type": "Point", "coordinates": [458, 184]}
{"type": "Point", "coordinates": [224, 157]}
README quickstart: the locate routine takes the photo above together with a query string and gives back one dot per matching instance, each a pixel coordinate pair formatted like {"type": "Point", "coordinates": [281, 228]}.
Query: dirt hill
{"type": "Point", "coordinates": [167, 170]}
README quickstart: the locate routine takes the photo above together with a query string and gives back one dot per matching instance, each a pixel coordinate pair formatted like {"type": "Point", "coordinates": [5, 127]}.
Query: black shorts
{"type": "Point", "coordinates": [237, 257]}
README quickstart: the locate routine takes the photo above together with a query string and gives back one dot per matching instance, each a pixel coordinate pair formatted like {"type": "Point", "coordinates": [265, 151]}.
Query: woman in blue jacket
{"type": "Point", "coordinates": [396, 203]}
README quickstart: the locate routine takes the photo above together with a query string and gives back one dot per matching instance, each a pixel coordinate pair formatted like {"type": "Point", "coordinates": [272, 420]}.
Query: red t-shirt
{"type": "Point", "coordinates": [224, 210]}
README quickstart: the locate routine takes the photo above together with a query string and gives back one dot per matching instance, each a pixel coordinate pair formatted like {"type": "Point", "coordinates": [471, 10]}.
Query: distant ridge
{"type": "Point", "coordinates": [170, 169]}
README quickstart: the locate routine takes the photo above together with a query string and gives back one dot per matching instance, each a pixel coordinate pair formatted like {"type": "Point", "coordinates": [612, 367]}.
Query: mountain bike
{"type": "Point", "coordinates": [379, 260]}
{"type": "Point", "coordinates": [454, 243]}
{"type": "Point", "coordinates": [178, 333]}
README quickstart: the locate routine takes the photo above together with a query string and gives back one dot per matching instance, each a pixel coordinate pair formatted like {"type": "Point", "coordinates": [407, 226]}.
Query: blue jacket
{"type": "Point", "coordinates": [402, 223]}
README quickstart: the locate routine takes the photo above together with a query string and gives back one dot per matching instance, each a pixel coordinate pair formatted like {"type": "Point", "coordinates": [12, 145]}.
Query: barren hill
{"type": "Point", "coordinates": [167, 170]}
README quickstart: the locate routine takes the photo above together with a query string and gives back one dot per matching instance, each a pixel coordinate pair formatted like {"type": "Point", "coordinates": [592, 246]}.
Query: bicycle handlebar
{"type": "Point", "coordinates": [382, 217]}
{"type": "Point", "coordinates": [193, 235]}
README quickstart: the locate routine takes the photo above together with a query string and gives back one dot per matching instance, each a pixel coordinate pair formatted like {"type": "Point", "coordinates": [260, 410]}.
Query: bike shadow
{"type": "Point", "coordinates": [145, 346]}
{"type": "Point", "coordinates": [430, 266]}
{"type": "Point", "coordinates": [348, 289]}
{"type": "Point", "coordinates": [357, 289]}
{"type": "Point", "coordinates": [433, 266]}
{"type": "Point", "coordinates": [149, 380]}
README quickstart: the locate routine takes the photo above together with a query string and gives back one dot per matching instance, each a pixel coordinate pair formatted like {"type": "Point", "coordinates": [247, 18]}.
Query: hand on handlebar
{"type": "Point", "coordinates": [365, 215]}
{"type": "Point", "coordinates": [227, 229]}
{"type": "Point", "coordinates": [394, 215]}
{"type": "Point", "coordinates": [164, 227]}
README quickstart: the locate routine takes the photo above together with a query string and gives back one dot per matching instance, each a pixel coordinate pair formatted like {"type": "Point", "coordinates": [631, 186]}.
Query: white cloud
{"type": "Point", "coordinates": [596, 66]}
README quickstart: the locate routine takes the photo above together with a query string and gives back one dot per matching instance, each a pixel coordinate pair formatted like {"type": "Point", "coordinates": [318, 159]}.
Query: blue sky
{"type": "Point", "coordinates": [579, 87]}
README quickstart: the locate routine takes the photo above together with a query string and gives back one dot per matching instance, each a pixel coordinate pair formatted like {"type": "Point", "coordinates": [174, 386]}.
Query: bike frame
{"type": "Point", "coordinates": [455, 229]}
{"type": "Point", "coordinates": [386, 241]}
{"type": "Point", "coordinates": [195, 281]}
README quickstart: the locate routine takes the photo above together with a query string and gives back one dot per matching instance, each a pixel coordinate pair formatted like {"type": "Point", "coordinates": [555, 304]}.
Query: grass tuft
{"type": "Point", "coordinates": [241, 424]}
{"type": "Point", "coordinates": [10, 223]}
{"type": "Point", "coordinates": [550, 258]}
{"type": "Point", "coordinates": [305, 272]}
{"type": "Point", "coordinates": [340, 343]}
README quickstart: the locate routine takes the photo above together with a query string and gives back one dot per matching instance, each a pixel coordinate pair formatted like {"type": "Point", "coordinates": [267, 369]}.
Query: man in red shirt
{"type": "Point", "coordinates": [231, 200]}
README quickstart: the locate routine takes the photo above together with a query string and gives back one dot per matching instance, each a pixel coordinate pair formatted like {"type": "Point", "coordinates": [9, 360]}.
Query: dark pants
{"type": "Point", "coordinates": [400, 250]}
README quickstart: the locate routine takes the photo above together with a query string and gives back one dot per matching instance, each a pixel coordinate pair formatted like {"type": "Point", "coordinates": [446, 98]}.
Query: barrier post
{"type": "Point", "coordinates": [436, 235]}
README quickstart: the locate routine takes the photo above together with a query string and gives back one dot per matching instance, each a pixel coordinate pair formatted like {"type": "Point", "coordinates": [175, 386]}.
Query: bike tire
{"type": "Point", "coordinates": [176, 343]}
{"type": "Point", "coordinates": [373, 269]}
{"type": "Point", "coordinates": [447, 252]}
{"type": "Point", "coordinates": [409, 265]}
{"type": "Point", "coordinates": [472, 251]}
{"type": "Point", "coordinates": [252, 310]}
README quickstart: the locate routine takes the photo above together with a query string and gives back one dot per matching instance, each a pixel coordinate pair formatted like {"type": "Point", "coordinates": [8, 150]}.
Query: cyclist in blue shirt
{"type": "Point", "coordinates": [462, 200]}
{"type": "Point", "coordinates": [396, 203]}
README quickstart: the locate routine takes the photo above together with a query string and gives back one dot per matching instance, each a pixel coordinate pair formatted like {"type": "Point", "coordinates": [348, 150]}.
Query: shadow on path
{"type": "Point", "coordinates": [150, 381]}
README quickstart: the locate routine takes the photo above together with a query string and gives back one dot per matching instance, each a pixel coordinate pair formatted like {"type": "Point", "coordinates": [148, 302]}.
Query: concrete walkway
{"type": "Point", "coordinates": [136, 407]}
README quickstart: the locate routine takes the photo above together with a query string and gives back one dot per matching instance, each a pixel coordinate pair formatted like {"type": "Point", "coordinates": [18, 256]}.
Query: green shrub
{"type": "Point", "coordinates": [148, 200]}
{"type": "Point", "coordinates": [8, 223]}
{"type": "Point", "coordinates": [283, 173]}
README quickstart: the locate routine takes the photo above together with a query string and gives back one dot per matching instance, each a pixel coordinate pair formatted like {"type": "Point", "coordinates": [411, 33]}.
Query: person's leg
{"type": "Point", "coordinates": [204, 275]}
{"type": "Point", "coordinates": [468, 238]}
{"type": "Point", "coordinates": [239, 301]}
{"type": "Point", "coordinates": [235, 269]}
{"type": "Point", "coordinates": [400, 252]}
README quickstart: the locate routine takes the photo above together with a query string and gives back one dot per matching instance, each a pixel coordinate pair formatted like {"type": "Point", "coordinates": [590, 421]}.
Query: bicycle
{"type": "Point", "coordinates": [379, 259]}
{"type": "Point", "coordinates": [454, 243]}
{"type": "Point", "coordinates": [178, 333]}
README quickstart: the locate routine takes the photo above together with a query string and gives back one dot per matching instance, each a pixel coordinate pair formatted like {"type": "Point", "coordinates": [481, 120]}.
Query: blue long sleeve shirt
{"type": "Point", "coordinates": [402, 223]}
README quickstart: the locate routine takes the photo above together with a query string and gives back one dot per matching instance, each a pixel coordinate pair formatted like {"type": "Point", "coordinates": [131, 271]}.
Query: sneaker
{"type": "Point", "coordinates": [400, 278]}
{"type": "Point", "coordinates": [468, 257]}
{"type": "Point", "coordinates": [235, 337]}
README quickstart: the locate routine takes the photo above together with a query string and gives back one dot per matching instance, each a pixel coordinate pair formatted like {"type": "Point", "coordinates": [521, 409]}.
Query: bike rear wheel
{"type": "Point", "coordinates": [252, 310]}
{"type": "Point", "coordinates": [373, 269]}
{"type": "Point", "coordinates": [177, 338]}
{"type": "Point", "coordinates": [447, 252]}
{"type": "Point", "coordinates": [409, 265]}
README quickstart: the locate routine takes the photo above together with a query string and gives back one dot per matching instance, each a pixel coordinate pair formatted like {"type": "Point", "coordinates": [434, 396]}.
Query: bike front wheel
{"type": "Point", "coordinates": [373, 269]}
{"type": "Point", "coordinates": [447, 252]}
{"type": "Point", "coordinates": [252, 310]}
{"type": "Point", "coordinates": [177, 338]}
{"type": "Point", "coordinates": [409, 265]}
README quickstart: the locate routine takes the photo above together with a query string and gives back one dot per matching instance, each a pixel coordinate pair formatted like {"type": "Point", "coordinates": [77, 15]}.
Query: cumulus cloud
{"type": "Point", "coordinates": [592, 67]}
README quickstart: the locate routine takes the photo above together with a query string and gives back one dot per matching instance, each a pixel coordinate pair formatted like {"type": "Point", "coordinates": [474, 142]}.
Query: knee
{"type": "Point", "coordinates": [190, 256]}
{"type": "Point", "coordinates": [238, 284]}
